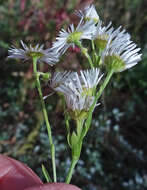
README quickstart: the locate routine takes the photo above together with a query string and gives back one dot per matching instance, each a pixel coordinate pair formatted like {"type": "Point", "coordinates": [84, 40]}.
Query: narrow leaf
{"type": "Point", "coordinates": [46, 174]}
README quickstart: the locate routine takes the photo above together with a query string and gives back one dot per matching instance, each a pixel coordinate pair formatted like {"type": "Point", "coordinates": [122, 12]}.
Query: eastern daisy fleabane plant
{"type": "Point", "coordinates": [110, 48]}
{"type": "Point", "coordinates": [29, 52]}
{"type": "Point", "coordinates": [88, 13]}
{"type": "Point", "coordinates": [121, 53]}
{"type": "Point", "coordinates": [73, 35]}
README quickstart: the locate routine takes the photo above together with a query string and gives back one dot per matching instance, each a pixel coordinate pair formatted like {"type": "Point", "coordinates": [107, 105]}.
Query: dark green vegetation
{"type": "Point", "coordinates": [115, 150]}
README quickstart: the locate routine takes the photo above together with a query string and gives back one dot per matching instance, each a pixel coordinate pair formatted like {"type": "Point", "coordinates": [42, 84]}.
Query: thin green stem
{"type": "Point", "coordinates": [98, 94]}
{"type": "Point", "coordinates": [76, 149]}
{"type": "Point", "coordinates": [45, 117]}
{"type": "Point", "coordinates": [93, 46]}
{"type": "Point", "coordinates": [95, 55]}
{"type": "Point", "coordinates": [71, 170]}
{"type": "Point", "coordinates": [85, 52]}
{"type": "Point", "coordinates": [107, 79]}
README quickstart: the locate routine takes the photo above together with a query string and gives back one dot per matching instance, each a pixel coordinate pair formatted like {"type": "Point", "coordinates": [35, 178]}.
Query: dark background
{"type": "Point", "coordinates": [114, 155]}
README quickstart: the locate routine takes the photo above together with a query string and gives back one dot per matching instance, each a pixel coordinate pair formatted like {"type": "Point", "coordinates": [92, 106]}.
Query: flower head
{"type": "Point", "coordinates": [120, 53]}
{"type": "Point", "coordinates": [72, 35]}
{"type": "Point", "coordinates": [102, 35]}
{"type": "Point", "coordinates": [79, 91]}
{"type": "Point", "coordinates": [89, 13]}
{"type": "Point", "coordinates": [30, 52]}
{"type": "Point", "coordinates": [105, 34]}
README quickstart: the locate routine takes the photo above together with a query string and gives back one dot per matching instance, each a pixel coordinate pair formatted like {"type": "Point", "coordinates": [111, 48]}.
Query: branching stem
{"type": "Point", "coordinates": [52, 147]}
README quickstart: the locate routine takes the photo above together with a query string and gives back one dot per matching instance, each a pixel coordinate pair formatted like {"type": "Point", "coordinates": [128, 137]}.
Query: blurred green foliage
{"type": "Point", "coordinates": [114, 155]}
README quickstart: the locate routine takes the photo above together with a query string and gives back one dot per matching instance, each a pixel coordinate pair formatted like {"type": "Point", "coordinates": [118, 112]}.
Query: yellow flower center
{"type": "Point", "coordinates": [91, 18]}
{"type": "Point", "coordinates": [88, 92]}
{"type": "Point", "coordinates": [101, 41]}
{"type": "Point", "coordinates": [74, 37]}
{"type": "Point", "coordinates": [36, 54]}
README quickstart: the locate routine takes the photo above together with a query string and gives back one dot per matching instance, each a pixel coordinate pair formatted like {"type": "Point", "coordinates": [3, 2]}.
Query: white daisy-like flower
{"type": "Point", "coordinates": [120, 53]}
{"type": "Point", "coordinates": [47, 56]}
{"type": "Point", "coordinates": [73, 35]}
{"type": "Point", "coordinates": [105, 34]}
{"type": "Point", "coordinates": [79, 90]}
{"type": "Point", "coordinates": [88, 13]}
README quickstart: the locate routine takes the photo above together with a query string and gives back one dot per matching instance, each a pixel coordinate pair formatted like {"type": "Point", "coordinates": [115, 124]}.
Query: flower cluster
{"type": "Point", "coordinates": [113, 48]}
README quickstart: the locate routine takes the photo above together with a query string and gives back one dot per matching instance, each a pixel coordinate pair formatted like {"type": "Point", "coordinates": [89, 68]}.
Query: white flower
{"type": "Point", "coordinates": [105, 34]}
{"type": "Point", "coordinates": [27, 53]}
{"type": "Point", "coordinates": [72, 35]}
{"type": "Point", "coordinates": [89, 13]}
{"type": "Point", "coordinates": [79, 90]}
{"type": "Point", "coordinates": [120, 53]}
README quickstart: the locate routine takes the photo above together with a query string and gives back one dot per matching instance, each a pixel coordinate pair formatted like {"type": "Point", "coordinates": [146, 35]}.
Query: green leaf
{"type": "Point", "coordinates": [46, 174]}
{"type": "Point", "coordinates": [68, 129]}
{"type": "Point", "coordinates": [68, 139]}
{"type": "Point", "coordinates": [74, 139]}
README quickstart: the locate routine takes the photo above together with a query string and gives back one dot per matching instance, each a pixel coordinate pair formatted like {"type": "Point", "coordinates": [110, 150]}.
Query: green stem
{"type": "Point", "coordinates": [95, 56]}
{"type": "Point", "coordinates": [107, 79]}
{"type": "Point", "coordinates": [93, 46]}
{"type": "Point", "coordinates": [45, 117]}
{"type": "Point", "coordinates": [71, 170]}
{"type": "Point", "coordinates": [98, 94]}
{"type": "Point", "coordinates": [76, 149]}
{"type": "Point", "coordinates": [85, 52]}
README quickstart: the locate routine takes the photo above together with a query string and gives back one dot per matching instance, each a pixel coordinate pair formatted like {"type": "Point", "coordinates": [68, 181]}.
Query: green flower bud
{"type": "Point", "coordinates": [46, 76]}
